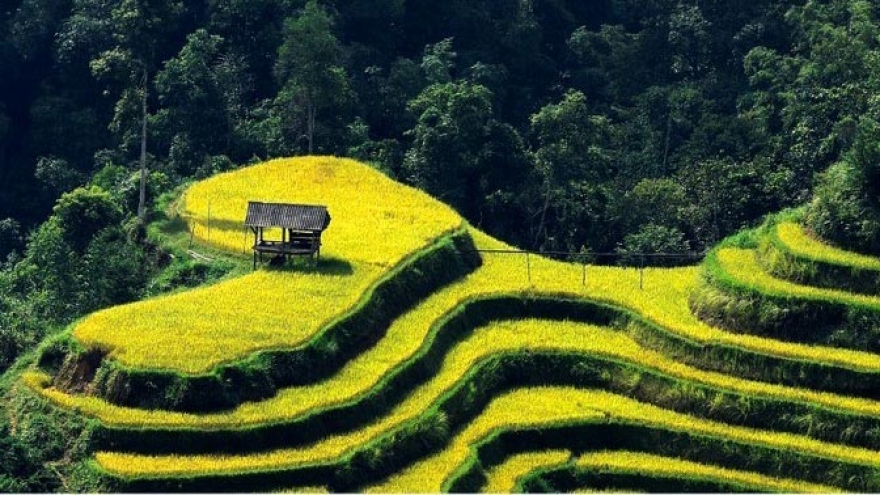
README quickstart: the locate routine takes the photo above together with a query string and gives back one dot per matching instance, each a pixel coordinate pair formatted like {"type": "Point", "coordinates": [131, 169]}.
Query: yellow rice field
{"type": "Point", "coordinates": [376, 223]}
{"type": "Point", "coordinates": [194, 331]}
{"type": "Point", "coordinates": [366, 370]}
{"type": "Point", "coordinates": [548, 405]}
{"type": "Point", "coordinates": [638, 462]}
{"type": "Point", "coordinates": [504, 477]}
{"type": "Point", "coordinates": [742, 265]}
{"type": "Point", "coordinates": [217, 329]}
{"type": "Point", "coordinates": [801, 244]}
{"type": "Point", "coordinates": [375, 220]}
{"type": "Point", "coordinates": [485, 342]}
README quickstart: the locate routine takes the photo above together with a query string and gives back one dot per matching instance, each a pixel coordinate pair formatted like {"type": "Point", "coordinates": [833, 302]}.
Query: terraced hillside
{"type": "Point", "coordinates": [417, 358]}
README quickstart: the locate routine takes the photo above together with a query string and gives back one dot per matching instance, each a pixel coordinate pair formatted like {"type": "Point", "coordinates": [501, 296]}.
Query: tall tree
{"type": "Point", "coordinates": [810, 97]}
{"type": "Point", "coordinates": [140, 32]}
{"type": "Point", "coordinates": [689, 41]}
{"type": "Point", "coordinates": [309, 67]}
{"type": "Point", "coordinates": [252, 30]}
{"type": "Point", "coordinates": [35, 24]}
{"type": "Point", "coordinates": [461, 152]}
{"type": "Point", "coordinates": [200, 92]}
{"type": "Point", "coordinates": [574, 164]}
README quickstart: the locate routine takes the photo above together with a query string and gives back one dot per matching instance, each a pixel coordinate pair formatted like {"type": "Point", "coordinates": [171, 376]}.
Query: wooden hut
{"type": "Point", "coordinates": [301, 228]}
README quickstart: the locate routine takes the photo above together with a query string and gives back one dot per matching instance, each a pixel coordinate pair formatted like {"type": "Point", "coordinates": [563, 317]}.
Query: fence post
{"type": "Point", "coordinates": [642, 274]}
{"type": "Point", "coordinates": [209, 220]}
{"type": "Point", "coordinates": [192, 232]}
{"type": "Point", "coordinates": [584, 277]}
{"type": "Point", "coordinates": [529, 266]}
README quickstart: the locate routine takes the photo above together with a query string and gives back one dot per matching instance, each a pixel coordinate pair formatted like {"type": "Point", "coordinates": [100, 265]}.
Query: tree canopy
{"type": "Point", "coordinates": [601, 126]}
{"type": "Point", "coordinates": [606, 126]}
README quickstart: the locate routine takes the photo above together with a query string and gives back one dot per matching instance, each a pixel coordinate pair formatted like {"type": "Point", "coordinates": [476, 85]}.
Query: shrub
{"type": "Point", "coordinates": [654, 239]}
{"type": "Point", "coordinates": [18, 469]}
{"type": "Point", "coordinates": [846, 204]}
{"type": "Point", "coordinates": [10, 237]}
{"type": "Point", "coordinates": [83, 212]}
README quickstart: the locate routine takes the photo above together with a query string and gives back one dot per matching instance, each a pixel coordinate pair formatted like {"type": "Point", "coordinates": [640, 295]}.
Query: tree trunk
{"type": "Point", "coordinates": [668, 143]}
{"type": "Point", "coordinates": [310, 124]}
{"type": "Point", "coordinates": [541, 223]}
{"type": "Point", "coordinates": [142, 203]}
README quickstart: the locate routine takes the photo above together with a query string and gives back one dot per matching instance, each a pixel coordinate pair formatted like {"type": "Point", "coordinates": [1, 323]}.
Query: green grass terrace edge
{"type": "Point", "coordinates": [461, 321]}
{"type": "Point", "coordinates": [259, 376]}
{"type": "Point", "coordinates": [841, 272]}
{"type": "Point", "coordinates": [64, 428]}
{"type": "Point", "coordinates": [570, 477]}
{"type": "Point", "coordinates": [581, 437]}
{"type": "Point", "coordinates": [723, 300]}
{"type": "Point", "coordinates": [430, 432]}
{"type": "Point", "coordinates": [567, 476]}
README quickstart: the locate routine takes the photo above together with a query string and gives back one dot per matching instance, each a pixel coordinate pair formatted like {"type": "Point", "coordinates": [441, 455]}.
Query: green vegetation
{"type": "Point", "coordinates": [846, 206]}
{"type": "Point", "coordinates": [737, 293]}
{"type": "Point", "coordinates": [139, 351]}
{"type": "Point", "coordinates": [639, 471]}
{"type": "Point", "coordinates": [416, 404]}
{"type": "Point", "coordinates": [551, 124]}
{"type": "Point", "coordinates": [788, 252]}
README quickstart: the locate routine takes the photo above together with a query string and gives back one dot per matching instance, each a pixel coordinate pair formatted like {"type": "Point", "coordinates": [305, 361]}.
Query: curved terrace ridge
{"type": "Point", "coordinates": [589, 416]}
{"type": "Point", "coordinates": [604, 348]}
{"type": "Point", "coordinates": [456, 375]}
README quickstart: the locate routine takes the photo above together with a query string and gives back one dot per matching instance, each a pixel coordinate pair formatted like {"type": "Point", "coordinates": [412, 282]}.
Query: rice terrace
{"type": "Point", "coordinates": [413, 358]}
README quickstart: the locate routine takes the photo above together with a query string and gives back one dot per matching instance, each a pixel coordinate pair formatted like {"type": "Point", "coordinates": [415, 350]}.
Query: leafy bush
{"type": "Point", "coordinates": [840, 212]}
{"type": "Point", "coordinates": [656, 201]}
{"type": "Point", "coordinates": [654, 239]}
{"type": "Point", "coordinates": [10, 237]}
{"type": "Point", "coordinates": [846, 204]}
{"type": "Point", "coordinates": [83, 212]}
{"type": "Point", "coordinates": [18, 469]}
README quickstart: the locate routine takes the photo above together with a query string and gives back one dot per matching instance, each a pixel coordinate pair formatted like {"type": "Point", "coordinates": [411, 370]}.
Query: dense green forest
{"type": "Point", "coordinates": [580, 126]}
{"type": "Point", "coordinates": [554, 124]}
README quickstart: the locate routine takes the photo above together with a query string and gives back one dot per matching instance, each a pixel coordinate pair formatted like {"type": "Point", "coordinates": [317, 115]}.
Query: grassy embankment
{"type": "Point", "coordinates": [421, 379]}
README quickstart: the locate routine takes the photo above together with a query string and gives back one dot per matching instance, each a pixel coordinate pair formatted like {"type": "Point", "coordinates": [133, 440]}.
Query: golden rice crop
{"type": "Point", "coordinates": [459, 360]}
{"type": "Point", "coordinates": [196, 330]}
{"type": "Point", "coordinates": [663, 300]}
{"type": "Point", "coordinates": [800, 243]}
{"type": "Point", "coordinates": [521, 335]}
{"type": "Point", "coordinates": [374, 219]}
{"type": "Point", "coordinates": [181, 331]}
{"type": "Point", "coordinates": [503, 478]}
{"type": "Point", "coordinates": [509, 336]}
{"type": "Point", "coordinates": [742, 265]}
{"type": "Point", "coordinates": [376, 223]}
{"type": "Point", "coordinates": [639, 462]}
{"type": "Point", "coordinates": [524, 407]}
{"type": "Point", "coordinates": [305, 489]}
{"type": "Point", "coordinates": [533, 407]}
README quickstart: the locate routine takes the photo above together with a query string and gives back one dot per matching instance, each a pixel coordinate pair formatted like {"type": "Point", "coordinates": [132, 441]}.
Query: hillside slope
{"type": "Point", "coordinates": [418, 357]}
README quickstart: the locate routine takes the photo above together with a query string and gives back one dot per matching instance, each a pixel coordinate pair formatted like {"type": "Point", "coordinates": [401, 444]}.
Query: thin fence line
{"type": "Point", "coordinates": [591, 254]}
{"type": "Point", "coordinates": [634, 260]}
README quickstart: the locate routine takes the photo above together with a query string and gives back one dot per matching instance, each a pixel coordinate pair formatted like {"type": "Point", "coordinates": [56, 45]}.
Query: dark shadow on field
{"type": "Point", "coordinates": [325, 266]}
